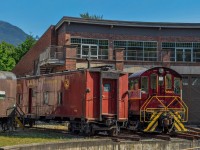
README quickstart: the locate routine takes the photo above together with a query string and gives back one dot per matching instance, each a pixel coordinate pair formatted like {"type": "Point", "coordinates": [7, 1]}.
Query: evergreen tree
{"type": "Point", "coordinates": [7, 62]}
{"type": "Point", "coordinates": [88, 16]}
{"type": "Point", "coordinates": [22, 48]}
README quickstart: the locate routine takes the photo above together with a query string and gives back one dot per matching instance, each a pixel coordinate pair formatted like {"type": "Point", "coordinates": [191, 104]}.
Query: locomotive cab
{"type": "Point", "coordinates": [155, 101]}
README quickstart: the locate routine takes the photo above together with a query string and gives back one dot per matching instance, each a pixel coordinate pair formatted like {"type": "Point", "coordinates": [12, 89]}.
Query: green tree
{"type": "Point", "coordinates": [7, 62]}
{"type": "Point", "coordinates": [22, 48]}
{"type": "Point", "coordinates": [88, 16]}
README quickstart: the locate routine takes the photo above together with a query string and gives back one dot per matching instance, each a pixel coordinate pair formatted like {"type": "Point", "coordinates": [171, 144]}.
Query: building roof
{"type": "Point", "coordinates": [113, 23]}
{"type": "Point", "coordinates": [7, 75]}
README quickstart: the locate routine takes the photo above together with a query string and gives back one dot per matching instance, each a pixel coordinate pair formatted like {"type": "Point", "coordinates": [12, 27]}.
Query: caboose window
{"type": "Point", "coordinates": [107, 87]}
{"type": "Point", "coordinates": [2, 94]}
{"type": "Point", "coordinates": [19, 98]}
{"type": "Point", "coordinates": [133, 85]}
{"type": "Point", "coordinates": [59, 97]}
{"type": "Point", "coordinates": [46, 97]}
{"type": "Point", "coordinates": [153, 81]}
{"type": "Point", "coordinates": [168, 81]}
{"type": "Point", "coordinates": [144, 84]}
{"type": "Point", "coordinates": [177, 89]}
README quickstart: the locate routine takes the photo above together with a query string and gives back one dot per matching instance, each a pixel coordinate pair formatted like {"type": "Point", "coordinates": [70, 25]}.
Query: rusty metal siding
{"type": "Point", "coordinates": [8, 85]}
{"type": "Point", "coordinates": [72, 97]}
{"type": "Point", "coordinates": [80, 95]}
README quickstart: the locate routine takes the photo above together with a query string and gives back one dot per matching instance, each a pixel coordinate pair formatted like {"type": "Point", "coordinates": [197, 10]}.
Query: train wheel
{"type": "Point", "coordinates": [113, 132]}
{"type": "Point", "coordinates": [4, 126]}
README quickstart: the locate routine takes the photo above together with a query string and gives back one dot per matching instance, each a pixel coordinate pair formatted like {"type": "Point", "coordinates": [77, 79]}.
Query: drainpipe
{"type": "Point", "coordinates": [88, 61]}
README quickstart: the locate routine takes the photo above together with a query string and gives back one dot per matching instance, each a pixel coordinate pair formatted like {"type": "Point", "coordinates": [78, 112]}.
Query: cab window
{"type": "Point", "coordinates": [153, 81]}
{"type": "Point", "coordinates": [144, 84]}
{"type": "Point", "coordinates": [133, 85]}
{"type": "Point", "coordinates": [177, 85]}
{"type": "Point", "coordinates": [168, 81]}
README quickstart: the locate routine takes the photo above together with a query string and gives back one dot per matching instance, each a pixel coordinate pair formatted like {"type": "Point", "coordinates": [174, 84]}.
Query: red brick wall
{"type": "Point", "coordinates": [26, 64]}
{"type": "Point", "coordinates": [119, 56]}
{"type": "Point", "coordinates": [65, 32]}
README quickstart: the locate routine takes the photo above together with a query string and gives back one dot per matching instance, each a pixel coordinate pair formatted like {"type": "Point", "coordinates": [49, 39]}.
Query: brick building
{"type": "Point", "coordinates": [128, 46]}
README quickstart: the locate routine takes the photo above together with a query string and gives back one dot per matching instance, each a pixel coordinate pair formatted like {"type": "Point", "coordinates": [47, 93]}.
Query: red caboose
{"type": "Point", "coordinates": [155, 100]}
{"type": "Point", "coordinates": [91, 100]}
{"type": "Point", "coordinates": [8, 84]}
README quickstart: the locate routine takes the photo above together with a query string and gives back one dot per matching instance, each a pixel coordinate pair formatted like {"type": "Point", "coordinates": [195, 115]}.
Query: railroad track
{"type": "Point", "coordinates": [128, 135]}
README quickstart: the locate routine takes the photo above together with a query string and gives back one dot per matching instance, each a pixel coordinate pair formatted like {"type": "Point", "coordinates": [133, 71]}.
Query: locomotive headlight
{"type": "Point", "coordinates": [161, 70]}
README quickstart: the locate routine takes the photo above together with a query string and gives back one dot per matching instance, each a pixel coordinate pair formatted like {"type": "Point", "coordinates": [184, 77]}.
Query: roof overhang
{"type": "Point", "coordinates": [113, 23]}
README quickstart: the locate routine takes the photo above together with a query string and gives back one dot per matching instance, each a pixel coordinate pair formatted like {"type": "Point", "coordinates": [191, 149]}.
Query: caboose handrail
{"type": "Point", "coordinates": [146, 108]}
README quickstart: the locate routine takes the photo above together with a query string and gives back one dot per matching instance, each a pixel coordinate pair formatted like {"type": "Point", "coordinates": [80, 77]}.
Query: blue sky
{"type": "Point", "coordinates": [35, 16]}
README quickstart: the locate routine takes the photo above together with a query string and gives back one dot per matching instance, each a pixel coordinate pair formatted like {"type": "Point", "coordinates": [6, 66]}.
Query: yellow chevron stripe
{"type": "Point", "coordinates": [152, 122]}
{"type": "Point", "coordinates": [180, 123]}
{"type": "Point", "coordinates": [152, 116]}
{"type": "Point", "coordinates": [177, 127]}
{"type": "Point", "coordinates": [154, 127]}
{"type": "Point", "coordinates": [19, 122]}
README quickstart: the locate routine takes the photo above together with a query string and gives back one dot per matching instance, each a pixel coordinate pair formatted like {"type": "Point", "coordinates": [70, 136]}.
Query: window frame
{"type": "Point", "coordinates": [147, 84]}
{"type": "Point", "coordinates": [46, 97]}
{"type": "Point", "coordinates": [152, 88]}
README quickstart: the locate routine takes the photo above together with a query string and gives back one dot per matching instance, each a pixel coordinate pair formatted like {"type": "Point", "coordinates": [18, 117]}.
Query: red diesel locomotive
{"type": "Point", "coordinates": [92, 100]}
{"type": "Point", "coordinates": [155, 101]}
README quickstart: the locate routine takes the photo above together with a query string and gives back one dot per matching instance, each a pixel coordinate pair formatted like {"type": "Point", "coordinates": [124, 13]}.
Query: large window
{"type": "Point", "coordinates": [91, 48]}
{"type": "Point", "coordinates": [138, 50]}
{"type": "Point", "coordinates": [183, 51]}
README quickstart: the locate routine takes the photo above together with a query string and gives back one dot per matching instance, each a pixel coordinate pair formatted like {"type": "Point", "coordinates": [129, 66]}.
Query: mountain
{"type": "Point", "coordinates": [11, 34]}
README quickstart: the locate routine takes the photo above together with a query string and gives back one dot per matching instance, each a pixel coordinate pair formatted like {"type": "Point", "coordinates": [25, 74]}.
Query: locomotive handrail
{"type": "Point", "coordinates": [165, 108]}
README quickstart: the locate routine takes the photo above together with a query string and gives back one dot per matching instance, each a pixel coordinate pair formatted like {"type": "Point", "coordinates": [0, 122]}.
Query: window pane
{"type": "Point", "coordinates": [177, 89]}
{"type": "Point", "coordinates": [144, 84]}
{"type": "Point", "coordinates": [185, 80]}
{"type": "Point", "coordinates": [168, 45]}
{"type": "Point", "coordinates": [133, 85]}
{"type": "Point", "coordinates": [46, 98]}
{"type": "Point", "coordinates": [168, 81]}
{"type": "Point", "coordinates": [107, 87]}
{"type": "Point", "coordinates": [153, 81]}
{"type": "Point", "coordinates": [195, 81]}
{"type": "Point", "coordinates": [59, 98]}
{"type": "Point", "coordinates": [2, 94]}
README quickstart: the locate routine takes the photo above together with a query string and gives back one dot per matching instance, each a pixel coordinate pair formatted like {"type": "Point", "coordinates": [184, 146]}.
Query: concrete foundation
{"type": "Point", "coordinates": [110, 145]}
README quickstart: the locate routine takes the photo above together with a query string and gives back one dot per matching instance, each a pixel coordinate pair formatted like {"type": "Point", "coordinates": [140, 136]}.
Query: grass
{"type": "Point", "coordinates": [28, 137]}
